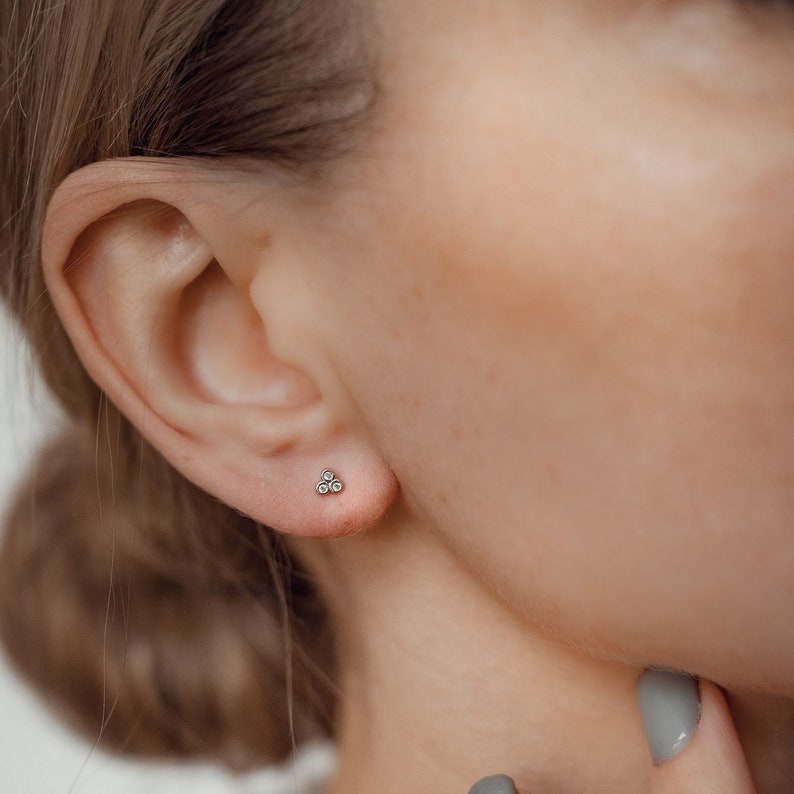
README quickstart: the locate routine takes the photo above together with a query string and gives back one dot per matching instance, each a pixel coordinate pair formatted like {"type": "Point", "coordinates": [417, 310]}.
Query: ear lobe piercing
{"type": "Point", "coordinates": [329, 484]}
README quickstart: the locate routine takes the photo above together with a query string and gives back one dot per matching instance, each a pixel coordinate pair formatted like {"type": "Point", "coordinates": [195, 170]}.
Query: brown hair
{"type": "Point", "coordinates": [146, 611]}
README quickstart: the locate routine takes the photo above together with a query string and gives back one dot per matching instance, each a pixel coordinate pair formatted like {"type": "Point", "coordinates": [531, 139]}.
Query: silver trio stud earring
{"type": "Point", "coordinates": [329, 484]}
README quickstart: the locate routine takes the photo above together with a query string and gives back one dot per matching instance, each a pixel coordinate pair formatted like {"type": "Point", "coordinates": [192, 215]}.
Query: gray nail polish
{"type": "Point", "coordinates": [670, 707]}
{"type": "Point", "coordinates": [498, 784]}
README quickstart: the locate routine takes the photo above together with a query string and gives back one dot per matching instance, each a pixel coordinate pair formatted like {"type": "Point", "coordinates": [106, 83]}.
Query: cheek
{"type": "Point", "coordinates": [609, 438]}
{"type": "Point", "coordinates": [580, 368]}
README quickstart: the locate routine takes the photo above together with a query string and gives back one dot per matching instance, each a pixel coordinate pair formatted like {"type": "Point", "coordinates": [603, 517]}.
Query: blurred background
{"type": "Point", "coordinates": [37, 754]}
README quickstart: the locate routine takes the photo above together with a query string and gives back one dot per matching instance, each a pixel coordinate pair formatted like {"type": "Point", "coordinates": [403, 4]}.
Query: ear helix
{"type": "Point", "coordinates": [329, 484]}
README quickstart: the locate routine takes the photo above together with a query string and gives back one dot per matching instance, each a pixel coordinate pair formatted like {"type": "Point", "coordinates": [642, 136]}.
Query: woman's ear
{"type": "Point", "coordinates": [154, 267]}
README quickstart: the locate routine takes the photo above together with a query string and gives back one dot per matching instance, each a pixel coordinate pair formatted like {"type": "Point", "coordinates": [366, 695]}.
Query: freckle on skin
{"type": "Point", "coordinates": [553, 474]}
{"type": "Point", "coordinates": [490, 375]}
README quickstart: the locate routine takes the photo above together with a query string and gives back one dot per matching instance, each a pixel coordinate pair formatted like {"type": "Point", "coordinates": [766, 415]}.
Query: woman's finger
{"type": "Point", "coordinates": [693, 741]}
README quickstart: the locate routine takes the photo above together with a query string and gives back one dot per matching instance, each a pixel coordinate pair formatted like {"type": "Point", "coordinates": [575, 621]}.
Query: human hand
{"type": "Point", "coordinates": [694, 747]}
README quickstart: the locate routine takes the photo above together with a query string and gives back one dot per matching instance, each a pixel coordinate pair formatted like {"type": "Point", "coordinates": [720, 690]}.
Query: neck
{"type": "Point", "coordinates": [444, 684]}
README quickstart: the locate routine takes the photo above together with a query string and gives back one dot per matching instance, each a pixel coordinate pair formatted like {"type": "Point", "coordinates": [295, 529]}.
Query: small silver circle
{"type": "Point", "coordinates": [323, 488]}
{"type": "Point", "coordinates": [328, 475]}
{"type": "Point", "coordinates": [336, 486]}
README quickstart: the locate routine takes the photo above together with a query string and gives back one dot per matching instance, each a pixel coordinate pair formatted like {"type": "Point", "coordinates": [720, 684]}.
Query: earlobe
{"type": "Point", "coordinates": [165, 325]}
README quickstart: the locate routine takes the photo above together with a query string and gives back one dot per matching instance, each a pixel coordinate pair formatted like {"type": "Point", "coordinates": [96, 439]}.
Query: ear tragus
{"type": "Point", "coordinates": [223, 343]}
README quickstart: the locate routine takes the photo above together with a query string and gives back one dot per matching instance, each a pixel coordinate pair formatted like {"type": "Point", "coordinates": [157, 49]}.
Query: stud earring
{"type": "Point", "coordinates": [329, 484]}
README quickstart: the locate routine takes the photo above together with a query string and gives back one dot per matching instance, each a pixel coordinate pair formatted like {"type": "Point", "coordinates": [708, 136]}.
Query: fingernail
{"type": "Point", "coordinates": [498, 784]}
{"type": "Point", "coordinates": [670, 706]}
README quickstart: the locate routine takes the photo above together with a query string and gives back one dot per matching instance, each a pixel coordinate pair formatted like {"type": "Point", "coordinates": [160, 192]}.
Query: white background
{"type": "Point", "coordinates": [39, 756]}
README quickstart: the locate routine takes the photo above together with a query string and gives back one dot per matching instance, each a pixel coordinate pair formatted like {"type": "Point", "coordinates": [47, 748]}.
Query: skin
{"type": "Point", "coordinates": [594, 256]}
{"type": "Point", "coordinates": [550, 299]}
{"type": "Point", "coordinates": [603, 311]}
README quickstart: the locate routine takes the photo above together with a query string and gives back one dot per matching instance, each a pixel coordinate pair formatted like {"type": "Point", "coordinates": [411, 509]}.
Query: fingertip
{"type": "Point", "coordinates": [712, 761]}
{"type": "Point", "coordinates": [495, 784]}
